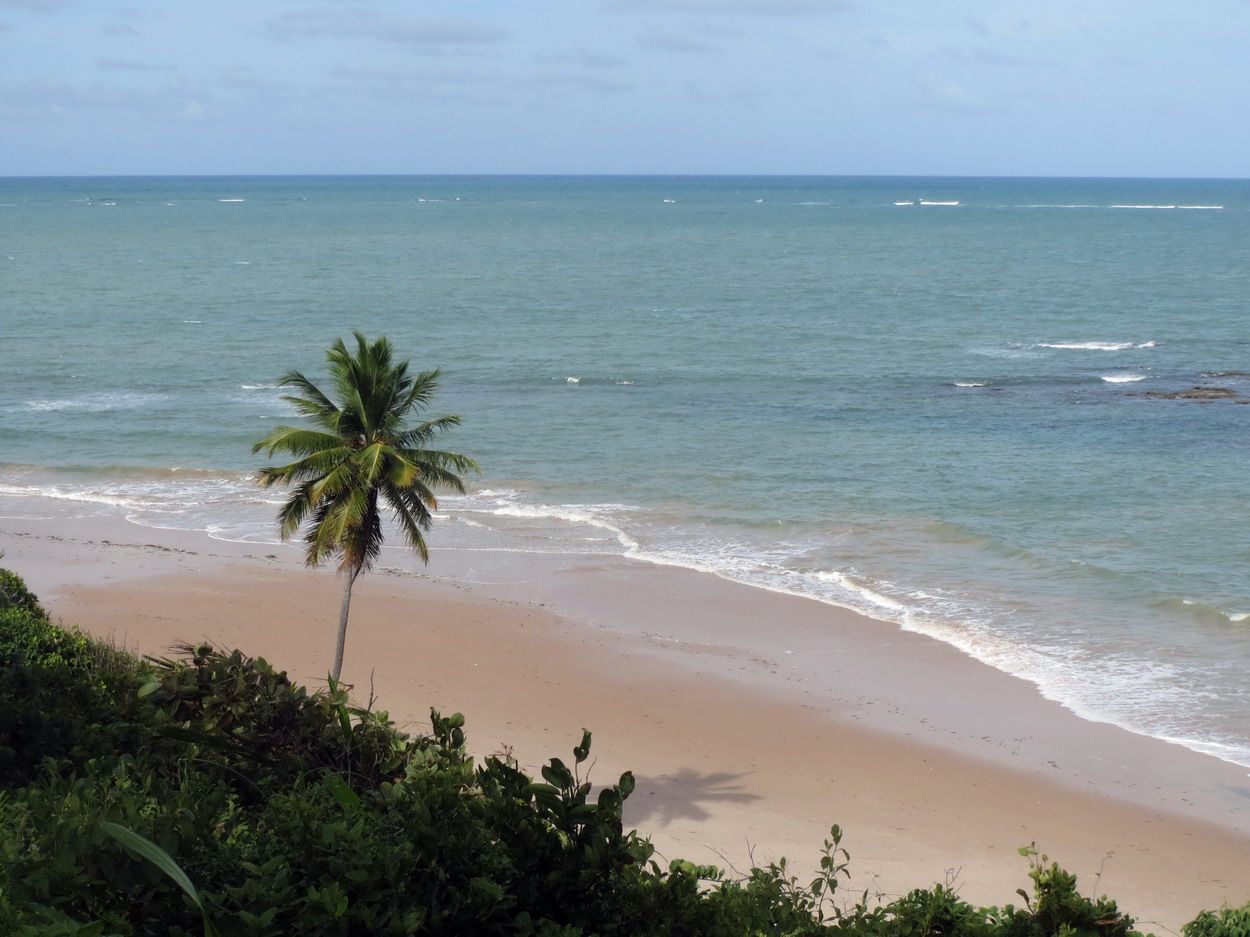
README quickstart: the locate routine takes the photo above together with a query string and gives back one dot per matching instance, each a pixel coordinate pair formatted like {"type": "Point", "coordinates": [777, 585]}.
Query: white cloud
{"type": "Point", "coordinates": [734, 7]}
{"type": "Point", "coordinates": [667, 40]}
{"type": "Point", "coordinates": [121, 29]}
{"type": "Point", "coordinates": [121, 65]}
{"type": "Point", "coordinates": [948, 95]}
{"type": "Point", "coordinates": [1056, 19]}
{"type": "Point", "coordinates": [585, 82]}
{"type": "Point", "coordinates": [335, 24]}
{"type": "Point", "coordinates": [582, 58]}
{"type": "Point", "coordinates": [979, 56]}
{"type": "Point", "coordinates": [426, 76]}
{"type": "Point", "coordinates": [51, 97]}
{"type": "Point", "coordinates": [35, 6]}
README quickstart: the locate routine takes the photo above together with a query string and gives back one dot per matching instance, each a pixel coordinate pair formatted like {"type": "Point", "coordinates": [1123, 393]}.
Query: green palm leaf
{"type": "Point", "coordinates": [364, 448]}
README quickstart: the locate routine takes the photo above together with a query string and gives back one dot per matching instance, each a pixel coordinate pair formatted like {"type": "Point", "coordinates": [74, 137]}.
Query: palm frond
{"type": "Point", "coordinates": [418, 436]}
{"type": "Point", "coordinates": [413, 518]}
{"type": "Point", "coordinates": [298, 441]}
{"type": "Point", "coordinates": [314, 403]}
{"type": "Point", "coordinates": [362, 447]}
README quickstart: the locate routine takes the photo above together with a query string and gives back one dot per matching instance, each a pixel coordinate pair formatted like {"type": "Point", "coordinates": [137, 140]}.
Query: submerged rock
{"type": "Point", "coordinates": [1198, 392]}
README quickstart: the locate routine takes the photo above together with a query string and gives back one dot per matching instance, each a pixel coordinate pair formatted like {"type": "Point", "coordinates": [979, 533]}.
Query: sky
{"type": "Point", "coordinates": [820, 87]}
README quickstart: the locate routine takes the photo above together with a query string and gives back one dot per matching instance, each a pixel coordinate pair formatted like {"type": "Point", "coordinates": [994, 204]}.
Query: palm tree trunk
{"type": "Point", "coordinates": [349, 579]}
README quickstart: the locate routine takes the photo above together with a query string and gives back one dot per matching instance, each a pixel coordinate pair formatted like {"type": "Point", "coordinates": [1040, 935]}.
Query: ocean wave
{"type": "Point", "coordinates": [1016, 351]}
{"type": "Point", "coordinates": [97, 403]}
{"type": "Point", "coordinates": [862, 589]}
{"type": "Point", "coordinates": [1123, 378]}
{"type": "Point", "coordinates": [595, 516]}
{"type": "Point", "coordinates": [1096, 346]}
{"type": "Point", "coordinates": [1200, 610]}
{"type": "Point", "coordinates": [593, 380]}
{"type": "Point", "coordinates": [259, 386]}
{"type": "Point", "coordinates": [969, 383]}
{"type": "Point", "coordinates": [63, 494]}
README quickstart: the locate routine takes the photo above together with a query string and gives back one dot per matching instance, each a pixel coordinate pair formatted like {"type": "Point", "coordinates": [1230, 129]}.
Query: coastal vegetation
{"type": "Point", "coordinates": [206, 793]}
{"type": "Point", "coordinates": [362, 450]}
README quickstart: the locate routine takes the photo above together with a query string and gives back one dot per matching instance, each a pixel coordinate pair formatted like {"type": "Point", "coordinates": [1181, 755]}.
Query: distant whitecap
{"type": "Point", "coordinates": [969, 384]}
{"type": "Point", "coordinates": [1096, 346]}
{"type": "Point", "coordinates": [572, 380]}
{"type": "Point", "coordinates": [1123, 378]}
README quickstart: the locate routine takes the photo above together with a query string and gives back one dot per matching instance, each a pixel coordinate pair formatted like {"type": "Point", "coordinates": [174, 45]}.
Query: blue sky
{"type": "Point", "coordinates": [942, 87]}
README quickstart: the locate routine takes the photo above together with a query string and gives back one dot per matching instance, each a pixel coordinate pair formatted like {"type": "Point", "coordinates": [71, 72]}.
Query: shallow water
{"type": "Point", "coordinates": [936, 414]}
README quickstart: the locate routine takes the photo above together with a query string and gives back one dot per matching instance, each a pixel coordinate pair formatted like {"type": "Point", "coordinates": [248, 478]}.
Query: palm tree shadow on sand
{"type": "Point", "coordinates": [685, 795]}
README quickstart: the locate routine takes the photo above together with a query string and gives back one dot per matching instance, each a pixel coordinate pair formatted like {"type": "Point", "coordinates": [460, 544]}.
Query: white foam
{"type": "Point", "coordinates": [1016, 352]}
{"type": "Point", "coordinates": [859, 589]}
{"type": "Point", "coordinates": [1123, 378]}
{"type": "Point", "coordinates": [589, 515]}
{"type": "Point", "coordinates": [62, 494]}
{"type": "Point", "coordinates": [1201, 207]}
{"type": "Point", "coordinates": [969, 384]}
{"type": "Point", "coordinates": [232, 200]}
{"type": "Point", "coordinates": [1143, 206]}
{"type": "Point", "coordinates": [904, 203]}
{"type": "Point", "coordinates": [1096, 346]}
{"type": "Point", "coordinates": [96, 403]}
{"type": "Point", "coordinates": [573, 380]}
{"type": "Point", "coordinates": [258, 386]}
{"type": "Point", "coordinates": [926, 202]}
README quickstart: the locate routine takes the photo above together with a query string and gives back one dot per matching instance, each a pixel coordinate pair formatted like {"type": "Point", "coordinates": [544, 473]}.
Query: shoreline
{"type": "Point", "coordinates": [747, 716]}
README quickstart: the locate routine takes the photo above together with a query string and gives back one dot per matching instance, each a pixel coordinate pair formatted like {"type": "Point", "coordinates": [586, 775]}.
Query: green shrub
{"type": "Point", "coordinates": [1227, 922]}
{"type": "Point", "coordinates": [293, 812]}
{"type": "Point", "coordinates": [62, 694]}
{"type": "Point", "coordinates": [15, 595]}
{"type": "Point", "coordinates": [253, 719]}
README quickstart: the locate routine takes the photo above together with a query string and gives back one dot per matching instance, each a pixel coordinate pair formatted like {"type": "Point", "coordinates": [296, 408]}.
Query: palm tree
{"type": "Point", "coordinates": [361, 452]}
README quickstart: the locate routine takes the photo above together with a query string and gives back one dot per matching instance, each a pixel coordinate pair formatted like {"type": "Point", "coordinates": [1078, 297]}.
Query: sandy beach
{"type": "Point", "coordinates": [752, 720]}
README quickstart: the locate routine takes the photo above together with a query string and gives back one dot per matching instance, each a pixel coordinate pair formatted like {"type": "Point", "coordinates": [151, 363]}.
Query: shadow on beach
{"type": "Point", "coordinates": [684, 795]}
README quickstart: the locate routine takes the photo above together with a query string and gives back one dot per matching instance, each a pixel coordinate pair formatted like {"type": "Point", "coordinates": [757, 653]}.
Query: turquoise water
{"type": "Point", "coordinates": [934, 413]}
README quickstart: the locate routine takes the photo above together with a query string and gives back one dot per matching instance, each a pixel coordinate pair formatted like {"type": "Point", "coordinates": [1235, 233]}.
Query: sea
{"type": "Point", "coordinates": [1013, 414]}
